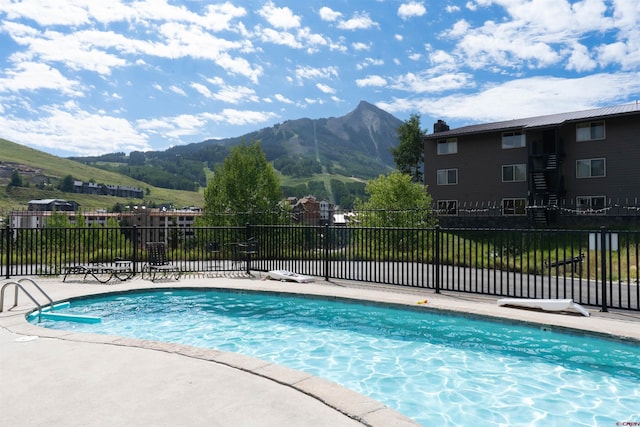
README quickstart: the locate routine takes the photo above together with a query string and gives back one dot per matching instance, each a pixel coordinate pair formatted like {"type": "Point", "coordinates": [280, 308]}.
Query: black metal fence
{"type": "Point", "coordinates": [596, 268]}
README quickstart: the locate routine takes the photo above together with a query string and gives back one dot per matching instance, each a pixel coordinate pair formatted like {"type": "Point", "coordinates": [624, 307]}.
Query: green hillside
{"type": "Point", "coordinates": [41, 174]}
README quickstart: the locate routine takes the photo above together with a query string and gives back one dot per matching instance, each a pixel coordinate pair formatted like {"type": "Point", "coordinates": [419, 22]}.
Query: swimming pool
{"type": "Point", "coordinates": [436, 368]}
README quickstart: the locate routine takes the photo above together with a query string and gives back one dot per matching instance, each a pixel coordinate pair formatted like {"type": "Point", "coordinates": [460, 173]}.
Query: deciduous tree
{"type": "Point", "coordinates": [396, 201]}
{"type": "Point", "coordinates": [244, 189]}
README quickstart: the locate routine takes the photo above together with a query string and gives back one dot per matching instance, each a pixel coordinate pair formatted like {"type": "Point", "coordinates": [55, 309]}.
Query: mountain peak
{"type": "Point", "coordinates": [366, 106]}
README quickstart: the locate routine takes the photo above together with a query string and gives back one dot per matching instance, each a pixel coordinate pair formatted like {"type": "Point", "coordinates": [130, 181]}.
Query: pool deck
{"type": "Point", "coordinates": [50, 377]}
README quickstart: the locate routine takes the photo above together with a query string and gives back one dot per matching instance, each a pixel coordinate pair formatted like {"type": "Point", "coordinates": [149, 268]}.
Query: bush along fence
{"type": "Point", "coordinates": [593, 267]}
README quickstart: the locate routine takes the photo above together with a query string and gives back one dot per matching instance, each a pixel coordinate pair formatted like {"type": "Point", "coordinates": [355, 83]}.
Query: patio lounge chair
{"type": "Point", "coordinates": [545, 304]}
{"type": "Point", "coordinates": [158, 266]}
{"type": "Point", "coordinates": [101, 272]}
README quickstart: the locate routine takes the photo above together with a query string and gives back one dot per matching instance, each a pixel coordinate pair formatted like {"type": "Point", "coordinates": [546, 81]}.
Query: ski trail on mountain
{"type": "Point", "coordinates": [325, 174]}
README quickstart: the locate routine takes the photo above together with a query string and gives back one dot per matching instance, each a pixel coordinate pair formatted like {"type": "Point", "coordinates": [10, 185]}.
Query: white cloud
{"type": "Point", "coordinates": [369, 62]}
{"type": "Point", "coordinates": [325, 88]}
{"type": "Point", "coordinates": [84, 133]}
{"type": "Point", "coordinates": [174, 127]}
{"type": "Point", "coordinates": [283, 38]}
{"type": "Point", "coordinates": [239, 117]}
{"type": "Point", "coordinates": [178, 90]}
{"type": "Point", "coordinates": [442, 60]}
{"type": "Point", "coordinates": [236, 95]}
{"type": "Point", "coordinates": [202, 90]}
{"type": "Point", "coordinates": [32, 76]}
{"type": "Point", "coordinates": [505, 46]}
{"type": "Point", "coordinates": [361, 46]}
{"type": "Point", "coordinates": [282, 98]}
{"type": "Point", "coordinates": [371, 81]}
{"type": "Point", "coordinates": [360, 21]}
{"type": "Point", "coordinates": [626, 54]}
{"type": "Point", "coordinates": [279, 17]}
{"type": "Point", "coordinates": [47, 13]}
{"type": "Point", "coordinates": [227, 93]}
{"type": "Point", "coordinates": [459, 29]}
{"type": "Point", "coordinates": [311, 73]}
{"type": "Point", "coordinates": [82, 50]}
{"type": "Point", "coordinates": [528, 97]}
{"type": "Point", "coordinates": [220, 16]}
{"type": "Point", "coordinates": [327, 14]}
{"type": "Point", "coordinates": [545, 33]}
{"type": "Point", "coordinates": [425, 82]}
{"type": "Point", "coordinates": [580, 59]}
{"type": "Point", "coordinates": [411, 9]}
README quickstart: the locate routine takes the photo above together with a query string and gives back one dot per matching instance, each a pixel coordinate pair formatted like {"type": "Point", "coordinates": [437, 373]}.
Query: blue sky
{"type": "Point", "coordinates": [85, 77]}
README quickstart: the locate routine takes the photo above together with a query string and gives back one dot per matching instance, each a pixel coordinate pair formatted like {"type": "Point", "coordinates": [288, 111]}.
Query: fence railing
{"type": "Point", "coordinates": [598, 268]}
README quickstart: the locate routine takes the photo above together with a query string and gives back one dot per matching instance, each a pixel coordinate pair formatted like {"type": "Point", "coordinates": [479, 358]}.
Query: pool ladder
{"type": "Point", "coordinates": [18, 285]}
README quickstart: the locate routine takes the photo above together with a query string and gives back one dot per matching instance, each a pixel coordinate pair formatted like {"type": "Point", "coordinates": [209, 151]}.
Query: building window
{"type": "Point", "coordinates": [514, 206]}
{"type": "Point", "coordinates": [448, 146]}
{"type": "Point", "coordinates": [590, 168]}
{"type": "Point", "coordinates": [514, 173]}
{"type": "Point", "coordinates": [594, 205]}
{"type": "Point", "coordinates": [447, 176]}
{"type": "Point", "coordinates": [513, 140]}
{"type": "Point", "coordinates": [590, 131]}
{"type": "Point", "coordinates": [447, 207]}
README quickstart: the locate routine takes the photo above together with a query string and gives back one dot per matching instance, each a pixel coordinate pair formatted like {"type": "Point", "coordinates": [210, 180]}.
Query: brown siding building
{"type": "Point", "coordinates": [584, 161]}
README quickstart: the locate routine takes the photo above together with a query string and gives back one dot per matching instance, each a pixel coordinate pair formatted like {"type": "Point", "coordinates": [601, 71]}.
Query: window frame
{"type": "Point", "coordinates": [591, 126]}
{"type": "Point", "coordinates": [604, 168]}
{"type": "Point", "coordinates": [442, 172]}
{"type": "Point", "coordinates": [589, 210]}
{"type": "Point", "coordinates": [447, 207]}
{"type": "Point", "coordinates": [448, 143]}
{"type": "Point", "coordinates": [515, 210]}
{"type": "Point", "coordinates": [515, 167]}
{"type": "Point", "coordinates": [511, 136]}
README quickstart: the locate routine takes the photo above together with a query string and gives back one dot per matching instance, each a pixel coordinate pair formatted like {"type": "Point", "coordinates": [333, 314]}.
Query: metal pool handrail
{"type": "Point", "coordinates": [18, 285]}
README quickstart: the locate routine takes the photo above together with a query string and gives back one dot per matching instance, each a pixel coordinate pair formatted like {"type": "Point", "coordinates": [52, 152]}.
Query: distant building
{"type": "Point", "coordinates": [49, 205]}
{"type": "Point", "coordinates": [309, 211]}
{"type": "Point", "coordinates": [80, 187]}
{"type": "Point", "coordinates": [153, 224]}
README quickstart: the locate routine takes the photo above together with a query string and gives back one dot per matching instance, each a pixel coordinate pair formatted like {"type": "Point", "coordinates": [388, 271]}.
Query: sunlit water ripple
{"type": "Point", "coordinates": [438, 369]}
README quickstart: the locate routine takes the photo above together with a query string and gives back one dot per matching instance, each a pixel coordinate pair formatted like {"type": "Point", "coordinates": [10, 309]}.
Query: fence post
{"type": "Point", "coordinates": [326, 252]}
{"type": "Point", "coordinates": [247, 237]}
{"type": "Point", "coordinates": [134, 256]}
{"type": "Point", "coordinates": [603, 263]}
{"type": "Point", "coordinates": [437, 260]}
{"type": "Point", "coordinates": [7, 243]}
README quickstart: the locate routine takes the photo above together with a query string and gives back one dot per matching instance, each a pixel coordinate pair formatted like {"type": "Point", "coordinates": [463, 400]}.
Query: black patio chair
{"type": "Point", "coordinates": [158, 266]}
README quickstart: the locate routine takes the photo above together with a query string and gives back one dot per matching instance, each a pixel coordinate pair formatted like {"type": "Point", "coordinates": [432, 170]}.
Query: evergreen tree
{"type": "Point", "coordinates": [409, 154]}
{"type": "Point", "coordinates": [66, 184]}
{"type": "Point", "coordinates": [16, 179]}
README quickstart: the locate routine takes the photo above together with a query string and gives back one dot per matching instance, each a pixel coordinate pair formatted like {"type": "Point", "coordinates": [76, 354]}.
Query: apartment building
{"type": "Point", "coordinates": [583, 161]}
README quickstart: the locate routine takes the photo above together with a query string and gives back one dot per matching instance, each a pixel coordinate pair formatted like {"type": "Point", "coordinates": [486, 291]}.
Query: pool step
{"type": "Point", "coordinates": [48, 313]}
{"type": "Point", "coordinates": [70, 317]}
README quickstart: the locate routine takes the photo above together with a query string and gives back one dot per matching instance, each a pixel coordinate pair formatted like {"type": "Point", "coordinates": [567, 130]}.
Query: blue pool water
{"type": "Point", "coordinates": [436, 368]}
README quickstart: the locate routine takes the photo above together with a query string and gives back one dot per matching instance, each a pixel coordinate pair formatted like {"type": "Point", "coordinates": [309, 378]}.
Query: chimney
{"type": "Point", "coordinates": [440, 126]}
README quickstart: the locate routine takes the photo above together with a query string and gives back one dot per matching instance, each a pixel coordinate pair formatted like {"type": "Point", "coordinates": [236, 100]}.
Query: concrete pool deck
{"type": "Point", "coordinates": [50, 377]}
